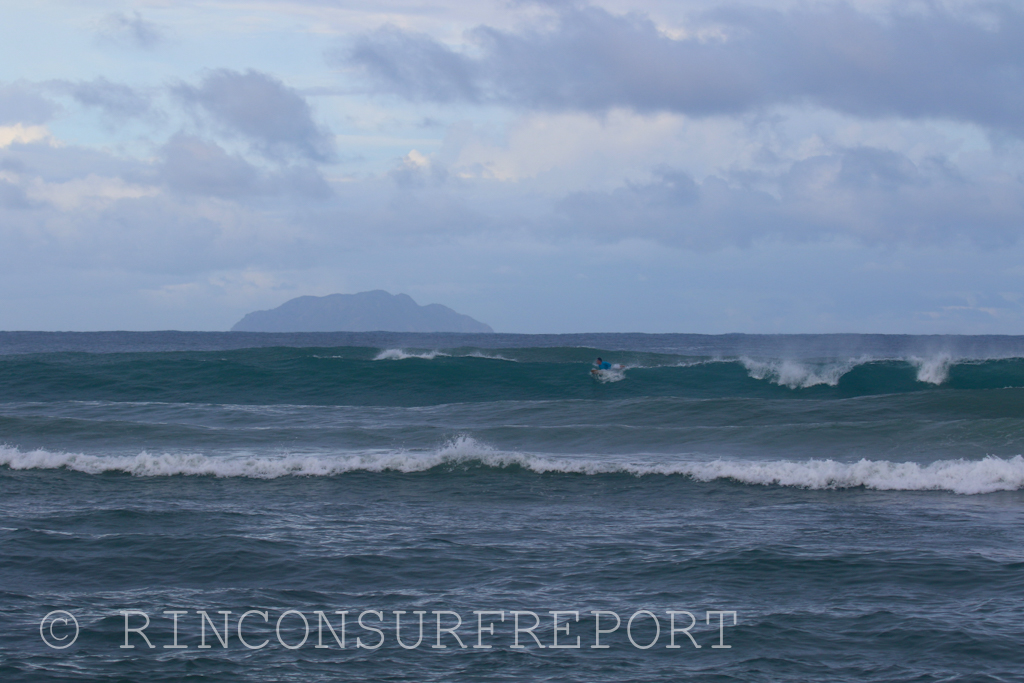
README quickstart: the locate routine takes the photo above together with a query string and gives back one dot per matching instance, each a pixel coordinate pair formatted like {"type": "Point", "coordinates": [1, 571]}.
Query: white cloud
{"type": "Point", "coordinates": [22, 134]}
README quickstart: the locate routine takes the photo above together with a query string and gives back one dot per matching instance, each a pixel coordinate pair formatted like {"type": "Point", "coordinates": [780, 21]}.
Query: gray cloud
{"type": "Point", "coordinates": [115, 99]}
{"type": "Point", "coordinates": [188, 228]}
{"type": "Point", "coordinates": [23, 103]}
{"type": "Point", "coordinates": [418, 67]}
{"type": "Point", "coordinates": [218, 210]}
{"type": "Point", "coordinates": [874, 196]}
{"type": "Point", "coordinates": [916, 64]}
{"type": "Point", "coordinates": [58, 164]}
{"type": "Point", "coordinates": [407, 174]}
{"type": "Point", "coordinates": [193, 166]}
{"type": "Point", "coordinates": [276, 118]}
{"type": "Point", "coordinates": [133, 31]}
{"type": "Point", "coordinates": [13, 197]}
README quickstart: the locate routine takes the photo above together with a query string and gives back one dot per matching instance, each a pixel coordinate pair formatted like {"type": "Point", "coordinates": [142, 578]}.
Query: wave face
{"type": "Point", "coordinates": [403, 377]}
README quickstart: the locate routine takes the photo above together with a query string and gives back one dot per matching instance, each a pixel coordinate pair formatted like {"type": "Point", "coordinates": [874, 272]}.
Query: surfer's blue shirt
{"type": "Point", "coordinates": [603, 366]}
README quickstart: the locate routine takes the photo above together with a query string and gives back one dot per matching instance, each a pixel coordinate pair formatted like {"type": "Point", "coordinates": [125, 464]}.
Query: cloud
{"type": "Point", "coordinates": [417, 66]}
{"type": "Point", "coordinates": [416, 170]}
{"type": "Point", "coordinates": [199, 210]}
{"type": "Point", "coordinates": [131, 31]}
{"type": "Point", "coordinates": [23, 103]}
{"type": "Point", "coordinates": [927, 63]}
{"type": "Point", "coordinates": [20, 134]}
{"type": "Point", "coordinates": [872, 196]}
{"type": "Point", "coordinates": [262, 109]}
{"type": "Point", "coordinates": [13, 197]}
{"type": "Point", "coordinates": [41, 157]}
{"type": "Point", "coordinates": [92, 191]}
{"type": "Point", "coordinates": [622, 172]}
{"type": "Point", "coordinates": [116, 100]}
{"type": "Point", "coordinates": [193, 166]}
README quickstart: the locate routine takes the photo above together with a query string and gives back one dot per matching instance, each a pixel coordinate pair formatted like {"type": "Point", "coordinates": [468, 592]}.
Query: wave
{"type": "Point", "coordinates": [799, 375]}
{"type": "Point", "coordinates": [988, 475]}
{"type": "Point", "coordinates": [358, 376]}
{"type": "Point", "coordinates": [790, 373]}
{"type": "Point", "coordinates": [489, 356]}
{"type": "Point", "coordinates": [610, 375]}
{"type": "Point", "coordinates": [401, 354]}
{"type": "Point", "coordinates": [796, 374]}
{"type": "Point", "coordinates": [968, 477]}
{"type": "Point", "coordinates": [933, 370]}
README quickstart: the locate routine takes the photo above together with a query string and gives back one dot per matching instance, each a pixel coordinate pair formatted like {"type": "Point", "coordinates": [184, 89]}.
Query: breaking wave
{"type": "Point", "coordinates": [490, 356]}
{"type": "Point", "coordinates": [797, 374]}
{"type": "Point", "coordinates": [960, 476]}
{"type": "Point", "coordinates": [932, 370]}
{"type": "Point", "coordinates": [611, 375]}
{"type": "Point", "coordinates": [400, 354]}
{"type": "Point", "coordinates": [463, 375]}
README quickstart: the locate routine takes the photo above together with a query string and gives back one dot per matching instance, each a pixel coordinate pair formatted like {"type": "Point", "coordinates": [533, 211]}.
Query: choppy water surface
{"type": "Point", "coordinates": [855, 500]}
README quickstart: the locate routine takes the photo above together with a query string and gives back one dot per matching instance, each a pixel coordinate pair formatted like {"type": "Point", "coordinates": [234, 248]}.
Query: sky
{"type": "Point", "coordinates": [545, 167]}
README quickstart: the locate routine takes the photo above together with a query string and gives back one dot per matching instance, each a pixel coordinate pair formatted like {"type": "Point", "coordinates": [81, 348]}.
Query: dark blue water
{"type": "Point", "coordinates": [854, 502]}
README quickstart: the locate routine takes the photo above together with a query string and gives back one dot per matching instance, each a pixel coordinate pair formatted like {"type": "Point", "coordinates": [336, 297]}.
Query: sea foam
{"type": "Point", "coordinates": [934, 370]}
{"type": "Point", "coordinates": [802, 375]}
{"type": "Point", "coordinates": [799, 375]}
{"type": "Point", "coordinates": [987, 475]}
{"type": "Point", "coordinates": [610, 375]}
{"type": "Point", "coordinates": [401, 354]}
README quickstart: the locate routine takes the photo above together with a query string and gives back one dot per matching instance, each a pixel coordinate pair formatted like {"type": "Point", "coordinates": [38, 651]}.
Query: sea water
{"type": "Point", "coordinates": [237, 507]}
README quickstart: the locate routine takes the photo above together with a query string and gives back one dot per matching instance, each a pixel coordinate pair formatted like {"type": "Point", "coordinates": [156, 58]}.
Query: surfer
{"type": "Point", "coordinates": [601, 364]}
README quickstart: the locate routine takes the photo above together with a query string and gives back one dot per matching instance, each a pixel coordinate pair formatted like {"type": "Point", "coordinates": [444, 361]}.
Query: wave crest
{"type": "Point", "coordinates": [401, 354]}
{"type": "Point", "coordinates": [933, 370]}
{"type": "Point", "coordinates": [797, 375]}
{"type": "Point", "coordinates": [803, 375]}
{"type": "Point", "coordinates": [968, 477]}
{"type": "Point", "coordinates": [610, 375]}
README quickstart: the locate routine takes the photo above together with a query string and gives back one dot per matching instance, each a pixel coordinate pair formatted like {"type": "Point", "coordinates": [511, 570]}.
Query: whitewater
{"type": "Point", "coordinates": [958, 476]}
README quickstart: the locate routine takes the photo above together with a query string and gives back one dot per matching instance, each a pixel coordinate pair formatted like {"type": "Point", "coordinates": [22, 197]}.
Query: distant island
{"type": "Point", "coordinates": [376, 311]}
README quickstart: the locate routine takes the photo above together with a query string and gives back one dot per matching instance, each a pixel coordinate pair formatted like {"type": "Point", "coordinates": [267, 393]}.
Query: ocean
{"type": "Point", "coordinates": [437, 507]}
